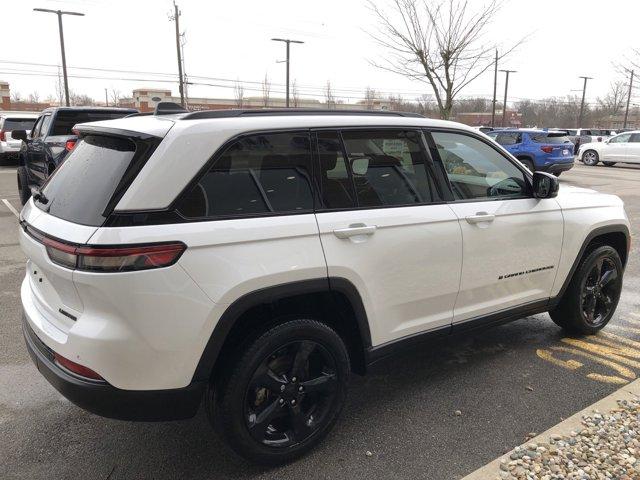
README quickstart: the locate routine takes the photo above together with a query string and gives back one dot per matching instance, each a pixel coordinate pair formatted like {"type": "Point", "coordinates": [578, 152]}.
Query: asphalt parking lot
{"type": "Point", "coordinates": [507, 383]}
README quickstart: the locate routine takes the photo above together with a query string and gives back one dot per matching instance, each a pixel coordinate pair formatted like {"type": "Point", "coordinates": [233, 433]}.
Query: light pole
{"type": "Point", "coordinates": [288, 42]}
{"type": "Point", "coordinates": [626, 111]}
{"type": "Point", "coordinates": [584, 91]}
{"type": "Point", "coordinates": [495, 86]}
{"type": "Point", "coordinates": [506, 87]}
{"type": "Point", "coordinates": [60, 13]}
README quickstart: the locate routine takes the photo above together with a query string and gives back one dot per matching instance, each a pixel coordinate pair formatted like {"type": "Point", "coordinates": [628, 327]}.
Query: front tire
{"type": "Point", "coordinates": [590, 158]}
{"type": "Point", "coordinates": [593, 293]}
{"type": "Point", "coordinates": [284, 393]}
{"type": "Point", "coordinates": [23, 185]}
{"type": "Point", "coordinates": [609, 164]}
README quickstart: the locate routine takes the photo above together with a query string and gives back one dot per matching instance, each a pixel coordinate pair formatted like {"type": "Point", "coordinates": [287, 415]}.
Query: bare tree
{"type": "Point", "coordinates": [16, 97]}
{"type": "Point", "coordinates": [238, 92]}
{"type": "Point", "coordinates": [34, 97]}
{"type": "Point", "coordinates": [328, 96]}
{"type": "Point", "coordinates": [266, 90]}
{"type": "Point", "coordinates": [439, 42]}
{"type": "Point", "coordinates": [369, 98]}
{"type": "Point", "coordinates": [613, 102]}
{"type": "Point", "coordinates": [80, 99]}
{"type": "Point", "coordinates": [115, 96]}
{"type": "Point", "coordinates": [295, 96]}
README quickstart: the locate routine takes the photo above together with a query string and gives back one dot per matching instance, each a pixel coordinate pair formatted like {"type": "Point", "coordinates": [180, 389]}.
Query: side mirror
{"type": "Point", "coordinates": [545, 185]}
{"type": "Point", "coordinates": [19, 135]}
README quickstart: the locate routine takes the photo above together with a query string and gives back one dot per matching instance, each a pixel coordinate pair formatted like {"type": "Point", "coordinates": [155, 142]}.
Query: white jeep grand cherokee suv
{"type": "Point", "coordinates": [253, 259]}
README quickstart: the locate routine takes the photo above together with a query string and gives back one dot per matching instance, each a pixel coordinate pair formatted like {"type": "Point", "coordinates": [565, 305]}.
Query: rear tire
{"type": "Point", "coordinates": [609, 164]}
{"type": "Point", "coordinates": [23, 185]}
{"type": "Point", "coordinates": [593, 293]}
{"type": "Point", "coordinates": [527, 163]}
{"type": "Point", "coordinates": [590, 158]}
{"type": "Point", "coordinates": [284, 392]}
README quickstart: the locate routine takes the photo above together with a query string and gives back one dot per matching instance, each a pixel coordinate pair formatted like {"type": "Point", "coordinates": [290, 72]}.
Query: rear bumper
{"type": "Point", "coordinates": [7, 148]}
{"type": "Point", "coordinates": [108, 401]}
{"type": "Point", "coordinates": [557, 167]}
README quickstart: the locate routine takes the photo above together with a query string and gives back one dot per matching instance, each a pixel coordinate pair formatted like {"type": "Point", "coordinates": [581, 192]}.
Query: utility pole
{"type": "Point", "coordinates": [176, 18]}
{"type": "Point", "coordinates": [60, 13]}
{"type": "Point", "coordinates": [584, 91]}
{"type": "Point", "coordinates": [495, 86]}
{"type": "Point", "coordinates": [506, 87]}
{"type": "Point", "coordinates": [626, 112]}
{"type": "Point", "coordinates": [106, 98]}
{"type": "Point", "coordinates": [288, 42]}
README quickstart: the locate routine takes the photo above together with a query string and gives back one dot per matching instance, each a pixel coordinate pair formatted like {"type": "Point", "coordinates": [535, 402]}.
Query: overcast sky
{"type": "Point", "coordinates": [231, 40]}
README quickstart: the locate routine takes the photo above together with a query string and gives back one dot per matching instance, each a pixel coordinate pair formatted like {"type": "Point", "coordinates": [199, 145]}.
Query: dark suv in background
{"type": "Point", "coordinates": [51, 139]}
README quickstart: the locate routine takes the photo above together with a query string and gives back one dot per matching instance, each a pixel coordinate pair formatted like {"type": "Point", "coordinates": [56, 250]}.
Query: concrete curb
{"type": "Point", "coordinates": [629, 392]}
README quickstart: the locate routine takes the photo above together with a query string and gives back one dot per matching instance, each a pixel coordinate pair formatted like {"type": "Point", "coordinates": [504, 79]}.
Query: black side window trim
{"type": "Point", "coordinates": [430, 171]}
{"type": "Point", "coordinates": [432, 145]}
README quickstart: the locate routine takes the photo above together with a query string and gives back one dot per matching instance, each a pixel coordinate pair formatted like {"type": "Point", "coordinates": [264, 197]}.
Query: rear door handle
{"type": "Point", "coordinates": [480, 217]}
{"type": "Point", "coordinates": [355, 229]}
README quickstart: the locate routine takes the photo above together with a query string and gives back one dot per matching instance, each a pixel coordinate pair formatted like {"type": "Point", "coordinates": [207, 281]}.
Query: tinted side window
{"type": "Point", "coordinates": [36, 128]}
{"type": "Point", "coordinates": [388, 168]}
{"type": "Point", "coordinates": [624, 138]}
{"type": "Point", "coordinates": [258, 174]}
{"type": "Point", "coordinates": [476, 170]}
{"type": "Point", "coordinates": [44, 128]}
{"type": "Point", "coordinates": [635, 138]}
{"type": "Point", "coordinates": [511, 138]}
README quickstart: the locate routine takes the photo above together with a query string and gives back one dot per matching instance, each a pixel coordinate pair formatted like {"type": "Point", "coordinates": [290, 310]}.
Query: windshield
{"type": "Point", "coordinates": [18, 124]}
{"type": "Point", "coordinates": [81, 188]}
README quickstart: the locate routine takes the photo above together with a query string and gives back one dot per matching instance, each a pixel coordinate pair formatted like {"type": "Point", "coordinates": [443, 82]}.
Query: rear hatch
{"type": "Point", "coordinates": [71, 206]}
{"type": "Point", "coordinates": [556, 146]}
{"type": "Point", "coordinates": [11, 124]}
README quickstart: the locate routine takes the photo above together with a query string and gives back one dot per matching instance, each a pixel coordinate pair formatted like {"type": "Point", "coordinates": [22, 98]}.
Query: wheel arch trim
{"type": "Point", "coordinates": [235, 310]}
{"type": "Point", "coordinates": [596, 232]}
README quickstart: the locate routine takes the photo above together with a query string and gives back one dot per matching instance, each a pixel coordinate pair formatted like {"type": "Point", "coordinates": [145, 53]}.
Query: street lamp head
{"type": "Point", "coordinates": [58, 12]}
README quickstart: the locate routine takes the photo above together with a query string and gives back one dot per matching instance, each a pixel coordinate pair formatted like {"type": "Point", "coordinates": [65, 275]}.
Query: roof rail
{"type": "Point", "coordinates": [290, 112]}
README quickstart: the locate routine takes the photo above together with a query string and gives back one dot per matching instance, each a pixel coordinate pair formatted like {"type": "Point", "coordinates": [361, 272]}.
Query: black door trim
{"type": "Point", "coordinates": [379, 352]}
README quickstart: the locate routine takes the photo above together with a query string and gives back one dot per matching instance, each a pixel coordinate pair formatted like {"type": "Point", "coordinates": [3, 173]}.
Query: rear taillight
{"type": "Point", "coordinates": [76, 368]}
{"type": "Point", "coordinates": [547, 149]}
{"type": "Point", "coordinates": [2, 137]}
{"type": "Point", "coordinates": [70, 144]}
{"type": "Point", "coordinates": [124, 258]}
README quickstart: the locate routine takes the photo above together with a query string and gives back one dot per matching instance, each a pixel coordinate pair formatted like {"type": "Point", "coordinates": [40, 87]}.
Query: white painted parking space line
{"type": "Point", "coordinates": [10, 207]}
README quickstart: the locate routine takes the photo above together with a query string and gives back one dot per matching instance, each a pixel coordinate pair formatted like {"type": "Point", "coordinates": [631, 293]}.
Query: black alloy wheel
{"type": "Point", "coordinates": [281, 392]}
{"type": "Point", "coordinates": [599, 289]}
{"type": "Point", "coordinates": [290, 394]}
{"type": "Point", "coordinates": [592, 295]}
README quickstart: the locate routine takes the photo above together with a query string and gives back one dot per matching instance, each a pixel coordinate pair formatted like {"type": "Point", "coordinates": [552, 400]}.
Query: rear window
{"type": "Point", "coordinates": [552, 138]}
{"type": "Point", "coordinates": [18, 124]}
{"type": "Point", "coordinates": [66, 119]}
{"type": "Point", "coordinates": [80, 189]}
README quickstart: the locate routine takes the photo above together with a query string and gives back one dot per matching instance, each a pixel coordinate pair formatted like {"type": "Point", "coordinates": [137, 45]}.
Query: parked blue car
{"type": "Point", "coordinates": [546, 151]}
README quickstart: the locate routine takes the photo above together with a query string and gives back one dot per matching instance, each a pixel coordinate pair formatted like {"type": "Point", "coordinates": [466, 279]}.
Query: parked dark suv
{"type": "Point", "coordinates": [51, 139]}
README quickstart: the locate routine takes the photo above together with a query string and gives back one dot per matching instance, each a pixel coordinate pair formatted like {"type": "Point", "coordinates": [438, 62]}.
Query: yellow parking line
{"type": "Point", "coordinates": [612, 353]}
{"type": "Point", "coordinates": [568, 364]}
{"type": "Point", "coordinates": [623, 371]}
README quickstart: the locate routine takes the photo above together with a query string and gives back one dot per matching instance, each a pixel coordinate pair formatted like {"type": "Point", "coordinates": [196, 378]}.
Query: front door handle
{"type": "Point", "coordinates": [355, 229]}
{"type": "Point", "coordinates": [480, 217]}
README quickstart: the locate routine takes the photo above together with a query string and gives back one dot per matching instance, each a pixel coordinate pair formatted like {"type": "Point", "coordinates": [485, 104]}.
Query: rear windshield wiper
{"type": "Point", "coordinates": [40, 197]}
